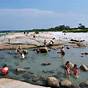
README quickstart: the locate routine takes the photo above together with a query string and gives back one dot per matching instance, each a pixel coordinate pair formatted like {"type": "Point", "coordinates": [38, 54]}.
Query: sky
{"type": "Point", "coordinates": [32, 14]}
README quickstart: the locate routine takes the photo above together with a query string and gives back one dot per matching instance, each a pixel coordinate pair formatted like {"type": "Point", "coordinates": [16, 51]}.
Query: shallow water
{"type": "Point", "coordinates": [37, 73]}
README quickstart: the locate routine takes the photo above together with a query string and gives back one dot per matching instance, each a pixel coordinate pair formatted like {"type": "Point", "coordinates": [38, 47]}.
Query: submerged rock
{"type": "Point", "coordinates": [53, 82]}
{"type": "Point", "coordinates": [46, 63]}
{"type": "Point", "coordinates": [84, 84]}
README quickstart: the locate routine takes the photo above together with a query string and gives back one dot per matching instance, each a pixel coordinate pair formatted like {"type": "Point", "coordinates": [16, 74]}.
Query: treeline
{"type": "Point", "coordinates": [63, 28]}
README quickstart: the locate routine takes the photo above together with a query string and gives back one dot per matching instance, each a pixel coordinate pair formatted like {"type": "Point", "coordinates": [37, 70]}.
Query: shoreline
{"type": "Point", "coordinates": [14, 46]}
{"type": "Point", "coordinates": [23, 46]}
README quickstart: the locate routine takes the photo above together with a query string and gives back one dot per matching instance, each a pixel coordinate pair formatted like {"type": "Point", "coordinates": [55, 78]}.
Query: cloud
{"type": "Point", "coordinates": [36, 18]}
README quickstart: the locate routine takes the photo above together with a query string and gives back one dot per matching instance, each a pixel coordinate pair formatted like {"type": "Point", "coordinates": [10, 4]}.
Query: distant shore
{"type": "Point", "coordinates": [33, 40]}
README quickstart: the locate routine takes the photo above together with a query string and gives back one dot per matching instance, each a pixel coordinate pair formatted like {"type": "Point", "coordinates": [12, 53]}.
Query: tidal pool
{"type": "Point", "coordinates": [35, 72]}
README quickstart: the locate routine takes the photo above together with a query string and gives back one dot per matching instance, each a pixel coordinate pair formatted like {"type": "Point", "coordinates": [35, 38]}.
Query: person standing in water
{"type": "Point", "coordinates": [68, 69]}
{"type": "Point", "coordinates": [62, 51]}
{"type": "Point", "coordinates": [75, 71]}
{"type": "Point", "coordinates": [4, 70]}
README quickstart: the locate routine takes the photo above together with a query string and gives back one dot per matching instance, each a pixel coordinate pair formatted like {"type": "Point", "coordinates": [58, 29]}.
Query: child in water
{"type": "Point", "coordinates": [76, 71]}
{"type": "Point", "coordinates": [4, 70]}
{"type": "Point", "coordinates": [67, 68]}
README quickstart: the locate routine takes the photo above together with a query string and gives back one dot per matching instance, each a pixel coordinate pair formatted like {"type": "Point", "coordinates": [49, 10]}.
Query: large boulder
{"type": "Point", "coordinates": [66, 83]}
{"type": "Point", "coordinates": [53, 82]}
{"type": "Point", "coordinates": [84, 67]}
{"type": "Point", "coordinates": [84, 84]}
{"type": "Point", "coordinates": [10, 83]}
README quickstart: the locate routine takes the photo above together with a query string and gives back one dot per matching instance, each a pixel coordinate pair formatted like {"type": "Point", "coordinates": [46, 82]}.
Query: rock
{"type": "Point", "coordinates": [43, 50]}
{"type": "Point", "coordinates": [46, 63]}
{"type": "Point", "coordinates": [85, 53]}
{"type": "Point", "coordinates": [66, 83]}
{"type": "Point", "coordinates": [67, 47]}
{"type": "Point", "coordinates": [20, 70]}
{"type": "Point", "coordinates": [10, 83]}
{"type": "Point", "coordinates": [53, 82]}
{"type": "Point", "coordinates": [84, 84]}
{"type": "Point", "coordinates": [84, 67]}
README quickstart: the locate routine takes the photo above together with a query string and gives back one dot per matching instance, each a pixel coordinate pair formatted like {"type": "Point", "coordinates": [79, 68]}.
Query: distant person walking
{"type": "Point", "coordinates": [45, 42]}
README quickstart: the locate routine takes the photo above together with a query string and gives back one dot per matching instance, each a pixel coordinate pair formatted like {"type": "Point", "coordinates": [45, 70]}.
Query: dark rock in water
{"type": "Point", "coordinates": [84, 84]}
{"type": "Point", "coordinates": [43, 50]}
{"type": "Point", "coordinates": [81, 56]}
{"type": "Point", "coordinates": [67, 48]}
{"type": "Point", "coordinates": [85, 53]}
{"type": "Point", "coordinates": [53, 82]}
{"type": "Point", "coordinates": [46, 63]}
{"type": "Point", "coordinates": [77, 40]}
{"type": "Point", "coordinates": [84, 67]}
{"type": "Point", "coordinates": [19, 70]}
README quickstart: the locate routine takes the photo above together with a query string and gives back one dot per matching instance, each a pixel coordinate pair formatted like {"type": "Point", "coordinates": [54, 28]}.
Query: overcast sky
{"type": "Point", "coordinates": [28, 14]}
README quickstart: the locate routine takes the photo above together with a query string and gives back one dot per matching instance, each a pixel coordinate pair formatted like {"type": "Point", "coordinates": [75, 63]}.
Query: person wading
{"type": "Point", "coordinates": [4, 70]}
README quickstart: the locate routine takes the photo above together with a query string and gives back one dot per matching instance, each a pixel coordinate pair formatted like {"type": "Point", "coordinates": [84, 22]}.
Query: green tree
{"type": "Point", "coordinates": [81, 26]}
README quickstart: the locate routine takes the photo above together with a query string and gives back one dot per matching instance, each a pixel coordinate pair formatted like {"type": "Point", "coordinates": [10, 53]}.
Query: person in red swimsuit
{"type": "Point", "coordinates": [76, 71]}
{"type": "Point", "coordinates": [4, 70]}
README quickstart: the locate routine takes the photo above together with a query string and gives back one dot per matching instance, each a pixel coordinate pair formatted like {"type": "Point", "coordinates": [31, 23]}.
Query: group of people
{"type": "Point", "coordinates": [69, 70]}
{"type": "Point", "coordinates": [51, 42]}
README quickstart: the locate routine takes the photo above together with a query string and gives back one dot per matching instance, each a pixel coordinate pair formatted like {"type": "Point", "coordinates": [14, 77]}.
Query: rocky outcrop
{"type": "Point", "coordinates": [10, 83]}
{"type": "Point", "coordinates": [53, 82]}
{"type": "Point", "coordinates": [84, 84]}
{"type": "Point", "coordinates": [84, 67]}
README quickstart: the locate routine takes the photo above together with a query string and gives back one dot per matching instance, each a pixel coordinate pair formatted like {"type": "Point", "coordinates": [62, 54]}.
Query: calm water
{"type": "Point", "coordinates": [35, 72]}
